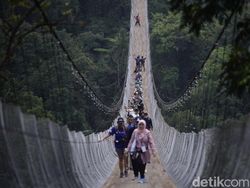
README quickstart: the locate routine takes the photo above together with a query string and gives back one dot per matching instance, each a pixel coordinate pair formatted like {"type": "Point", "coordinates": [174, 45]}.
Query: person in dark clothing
{"type": "Point", "coordinates": [137, 20]}
{"type": "Point", "coordinates": [140, 106]}
{"type": "Point", "coordinates": [121, 143]}
{"type": "Point", "coordinates": [137, 64]}
{"type": "Point", "coordinates": [138, 76]}
{"type": "Point", "coordinates": [132, 125]}
{"type": "Point", "coordinates": [142, 62]}
{"type": "Point", "coordinates": [141, 114]}
{"type": "Point", "coordinates": [138, 102]}
{"type": "Point", "coordinates": [148, 121]}
{"type": "Point", "coordinates": [137, 99]}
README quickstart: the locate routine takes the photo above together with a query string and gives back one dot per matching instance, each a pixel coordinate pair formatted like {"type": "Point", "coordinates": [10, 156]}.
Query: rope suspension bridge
{"type": "Point", "coordinates": [40, 153]}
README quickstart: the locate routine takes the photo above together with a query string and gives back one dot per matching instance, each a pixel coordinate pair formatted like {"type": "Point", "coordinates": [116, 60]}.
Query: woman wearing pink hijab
{"type": "Point", "coordinates": [139, 145]}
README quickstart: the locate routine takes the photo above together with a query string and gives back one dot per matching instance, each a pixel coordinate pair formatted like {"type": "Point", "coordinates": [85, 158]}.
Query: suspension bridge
{"type": "Point", "coordinates": [40, 153]}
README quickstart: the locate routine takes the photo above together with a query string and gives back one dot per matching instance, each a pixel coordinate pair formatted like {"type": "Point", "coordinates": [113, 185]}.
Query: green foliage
{"type": "Point", "coordinates": [197, 13]}
{"type": "Point", "coordinates": [208, 107]}
{"type": "Point", "coordinates": [177, 55]}
{"type": "Point", "coordinates": [33, 105]}
{"type": "Point", "coordinates": [35, 67]}
{"type": "Point", "coordinates": [166, 30]}
{"type": "Point", "coordinates": [176, 52]}
{"type": "Point", "coordinates": [236, 74]}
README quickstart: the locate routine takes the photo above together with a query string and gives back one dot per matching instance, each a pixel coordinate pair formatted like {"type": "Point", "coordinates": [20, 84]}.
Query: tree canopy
{"type": "Point", "coordinates": [34, 66]}
{"type": "Point", "coordinates": [236, 74]}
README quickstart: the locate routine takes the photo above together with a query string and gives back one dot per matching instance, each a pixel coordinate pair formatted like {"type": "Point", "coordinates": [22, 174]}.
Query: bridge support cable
{"type": "Point", "coordinates": [40, 153]}
{"type": "Point", "coordinates": [186, 156]}
{"type": "Point", "coordinates": [179, 101]}
{"type": "Point", "coordinates": [78, 75]}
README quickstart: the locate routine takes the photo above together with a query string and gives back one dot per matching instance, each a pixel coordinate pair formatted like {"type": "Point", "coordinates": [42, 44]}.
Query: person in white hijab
{"type": "Point", "coordinates": [140, 145]}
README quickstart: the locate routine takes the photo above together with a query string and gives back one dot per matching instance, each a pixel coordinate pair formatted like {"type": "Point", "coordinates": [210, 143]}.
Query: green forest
{"type": "Point", "coordinates": [36, 74]}
{"type": "Point", "coordinates": [180, 41]}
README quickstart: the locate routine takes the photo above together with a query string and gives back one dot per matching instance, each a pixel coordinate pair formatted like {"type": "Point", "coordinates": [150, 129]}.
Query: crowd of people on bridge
{"type": "Point", "coordinates": [133, 139]}
{"type": "Point", "coordinates": [139, 64]}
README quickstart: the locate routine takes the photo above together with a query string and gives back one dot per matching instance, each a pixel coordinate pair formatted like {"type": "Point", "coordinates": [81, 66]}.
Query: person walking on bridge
{"type": "Point", "coordinates": [148, 120]}
{"type": "Point", "coordinates": [137, 20]}
{"type": "Point", "coordinates": [142, 60]}
{"type": "Point", "coordinates": [121, 143]}
{"type": "Point", "coordinates": [140, 145]}
{"type": "Point", "coordinates": [131, 126]}
{"type": "Point", "coordinates": [137, 64]}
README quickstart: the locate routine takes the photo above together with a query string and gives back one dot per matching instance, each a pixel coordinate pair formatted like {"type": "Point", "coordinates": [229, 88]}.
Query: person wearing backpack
{"type": "Point", "coordinates": [120, 143]}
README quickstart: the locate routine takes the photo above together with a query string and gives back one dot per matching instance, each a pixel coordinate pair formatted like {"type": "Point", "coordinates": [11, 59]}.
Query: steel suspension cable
{"type": "Point", "coordinates": [93, 96]}
{"type": "Point", "coordinates": [174, 104]}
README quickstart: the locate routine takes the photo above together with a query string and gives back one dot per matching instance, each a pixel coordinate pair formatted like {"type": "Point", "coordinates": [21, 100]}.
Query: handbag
{"type": "Point", "coordinates": [135, 155]}
{"type": "Point", "coordinates": [132, 149]}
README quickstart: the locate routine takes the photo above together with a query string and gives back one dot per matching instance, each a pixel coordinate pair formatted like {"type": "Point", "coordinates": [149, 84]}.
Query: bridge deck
{"type": "Point", "coordinates": [155, 177]}
{"type": "Point", "coordinates": [139, 45]}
